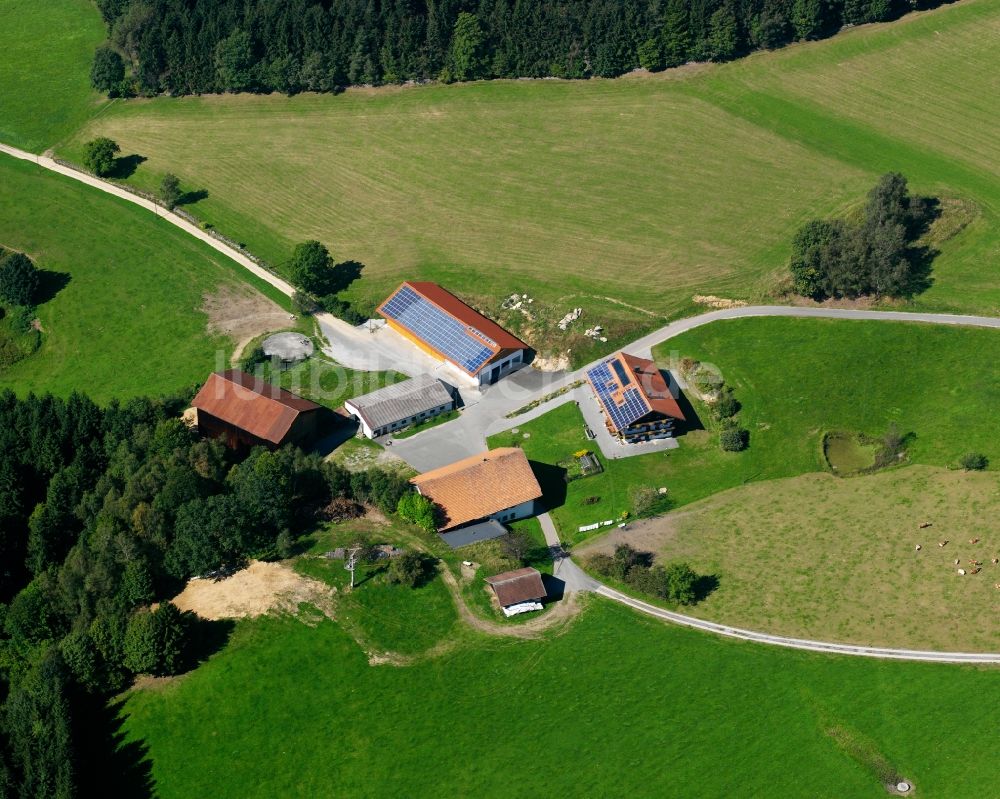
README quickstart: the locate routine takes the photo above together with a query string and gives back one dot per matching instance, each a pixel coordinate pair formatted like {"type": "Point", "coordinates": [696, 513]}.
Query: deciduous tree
{"type": "Point", "coordinates": [18, 279]}
{"type": "Point", "coordinates": [170, 190]}
{"type": "Point", "coordinates": [100, 155]}
{"type": "Point", "coordinates": [108, 71]}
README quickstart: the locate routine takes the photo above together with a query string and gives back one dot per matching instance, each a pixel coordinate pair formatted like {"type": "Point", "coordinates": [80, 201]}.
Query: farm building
{"type": "Point", "coordinates": [519, 591]}
{"type": "Point", "coordinates": [484, 490]}
{"type": "Point", "coordinates": [244, 411]}
{"type": "Point", "coordinates": [400, 405]}
{"type": "Point", "coordinates": [633, 393]}
{"type": "Point", "coordinates": [448, 329]}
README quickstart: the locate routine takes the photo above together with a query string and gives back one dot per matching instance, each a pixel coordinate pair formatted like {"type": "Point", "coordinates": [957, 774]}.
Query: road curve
{"type": "Point", "coordinates": [576, 577]}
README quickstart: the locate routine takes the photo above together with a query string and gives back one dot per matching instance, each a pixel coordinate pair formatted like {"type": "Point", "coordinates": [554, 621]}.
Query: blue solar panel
{"type": "Point", "coordinates": [633, 405]}
{"type": "Point", "coordinates": [447, 335]}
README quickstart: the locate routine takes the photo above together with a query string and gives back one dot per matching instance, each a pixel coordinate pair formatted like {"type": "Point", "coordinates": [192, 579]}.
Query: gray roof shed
{"type": "Point", "coordinates": [400, 401]}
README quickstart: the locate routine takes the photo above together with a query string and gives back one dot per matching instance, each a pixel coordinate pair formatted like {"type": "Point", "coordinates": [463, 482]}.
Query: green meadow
{"type": "Point", "coordinates": [45, 91]}
{"type": "Point", "coordinates": [796, 379]}
{"type": "Point", "coordinates": [125, 319]}
{"type": "Point", "coordinates": [616, 705]}
{"type": "Point", "coordinates": [624, 197]}
{"type": "Point", "coordinates": [821, 557]}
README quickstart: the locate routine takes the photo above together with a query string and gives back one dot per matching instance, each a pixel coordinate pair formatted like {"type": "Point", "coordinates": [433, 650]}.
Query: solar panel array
{"type": "Point", "coordinates": [444, 333]}
{"type": "Point", "coordinates": [633, 405]}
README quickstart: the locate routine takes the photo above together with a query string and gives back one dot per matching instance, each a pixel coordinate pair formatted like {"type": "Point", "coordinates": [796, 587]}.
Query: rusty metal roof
{"type": "Point", "coordinates": [251, 404]}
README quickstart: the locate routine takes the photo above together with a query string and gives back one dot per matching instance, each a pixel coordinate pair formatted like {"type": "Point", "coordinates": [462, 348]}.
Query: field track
{"type": "Point", "coordinates": [642, 345]}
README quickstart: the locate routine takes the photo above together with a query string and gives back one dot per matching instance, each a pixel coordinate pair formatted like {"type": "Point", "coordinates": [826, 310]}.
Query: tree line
{"type": "Point", "coordinates": [876, 253]}
{"type": "Point", "coordinates": [204, 46]}
{"type": "Point", "coordinates": [105, 512]}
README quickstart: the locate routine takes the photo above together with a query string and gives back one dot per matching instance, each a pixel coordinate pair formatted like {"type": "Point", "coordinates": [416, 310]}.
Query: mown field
{"type": "Point", "coordinates": [850, 572]}
{"type": "Point", "coordinates": [125, 319]}
{"type": "Point", "coordinates": [796, 379]}
{"type": "Point", "coordinates": [297, 711]}
{"type": "Point", "coordinates": [45, 91]}
{"type": "Point", "coordinates": [644, 191]}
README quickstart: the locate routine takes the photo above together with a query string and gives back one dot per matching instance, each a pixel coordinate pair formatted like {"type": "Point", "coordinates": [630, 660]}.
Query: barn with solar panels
{"type": "Point", "coordinates": [634, 396]}
{"type": "Point", "coordinates": [448, 329]}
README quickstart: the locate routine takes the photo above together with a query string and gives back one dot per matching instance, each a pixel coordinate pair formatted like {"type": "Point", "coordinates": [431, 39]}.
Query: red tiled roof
{"type": "Point", "coordinates": [251, 404]}
{"type": "Point", "coordinates": [650, 380]}
{"type": "Point", "coordinates": [520, 585]}
{"type": "Point", "coordinates": [477, 487]}
{"type": "Point", "coordinates": [454, 307]}
{"type": "Point", "coordinates": [645, 375]}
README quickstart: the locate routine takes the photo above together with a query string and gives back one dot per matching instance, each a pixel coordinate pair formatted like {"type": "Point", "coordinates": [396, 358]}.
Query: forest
{"type": "Point", "coordinates": [202, 46]}
{"type": "Point", "coordinates": [104, 515]}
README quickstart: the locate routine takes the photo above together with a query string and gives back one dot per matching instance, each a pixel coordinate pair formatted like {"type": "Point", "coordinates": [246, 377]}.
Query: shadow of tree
{"type": "Point", "coordinates": [49, 284]}
{"type": "Point", "coordinates": [205, 638]}
{"type": "Point", "coordinates": [921, 259]}
{"type": "Point", "coordinates": [111, 764]}
{"type": "Point", "coordinates": [125, 166]}
{"type": "Point", "coordinates": [192, 197]}
{"type": "Point", "coordinates": [338, 278]}
{"type": "Point", "coordinates": [704, 586]}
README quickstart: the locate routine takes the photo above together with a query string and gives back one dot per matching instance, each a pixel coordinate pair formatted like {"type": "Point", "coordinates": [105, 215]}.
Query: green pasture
{"type": "Point", "coordinates": [45, 91]}
{"type": "Point", "coordinates": [624, 197]}
{"type": "Point", "coordinates": [816, 556]}
{"type": "Point", "coordinates": [124, 318]}
{"type": "Point", "coordinates": [796, 379]}
{"type": "Point", "coordinates": [615, 705]}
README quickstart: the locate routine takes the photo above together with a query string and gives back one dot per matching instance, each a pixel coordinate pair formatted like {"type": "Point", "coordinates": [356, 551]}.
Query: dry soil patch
{"type": "Point", "coordinates": [258, 589]}
{"type": "Point", "coordinates": [242, 314]}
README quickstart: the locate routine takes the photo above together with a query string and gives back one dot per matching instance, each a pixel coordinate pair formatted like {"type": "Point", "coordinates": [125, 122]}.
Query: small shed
{"type": "Point", "coordinates": [518, 591]}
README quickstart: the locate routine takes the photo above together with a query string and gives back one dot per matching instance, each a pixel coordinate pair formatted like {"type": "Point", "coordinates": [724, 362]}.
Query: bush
{"type": "Point", "coordinates": [974, 462]}
{"type": "Point", "coordinates": [734, 439]}
{"type": "Point", "coordinates": [601, 564]}
{"type": "Point", "coordinates": [517, 546]}
{"type": "Point", "coordinates": [100, 155]}
{"type": "Point", "coordinates": [170, 190]}
{"type": "Point", "coordinates": [255, 357]}
{"type": "Point", "coordinates": [411, 569]}
{"type": "Point", "coordinates": [726, 406]}
{"type": "Point", "coordinates": [418, 510]}
{"type": "Point", "coordinates": [647, 501]}
{"type": "Point", "coordinates": [22, 318]}
{"type": "Point", "coordinates": [303, 304]}
{"type": "Point", "coordinates": [342, 309]}
{"type": "Point", "coordinates": [18, 279]}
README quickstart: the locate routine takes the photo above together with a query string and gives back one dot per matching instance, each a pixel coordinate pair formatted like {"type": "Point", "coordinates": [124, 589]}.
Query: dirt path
{"type": "Point", "coordinates": [565, 609]}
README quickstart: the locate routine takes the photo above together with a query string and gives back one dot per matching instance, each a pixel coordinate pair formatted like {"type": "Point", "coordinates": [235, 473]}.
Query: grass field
{"type": "Point", "coordinates": [796, 379]}
{"type": "Point", "coordinates": [386, 620]}
{"type": "Point", "coordinates": [326, 382]}
{"type": "Point", "coordinates": [644, 190]}
{"type": "Point", "coordinates": [851, 571]}
{"type": "Point", "coordinates": [296, 711]}
{"type": "Point", "coordinates": [45, 91]}
{"type": "Point", "coordinates": [126, 320]}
